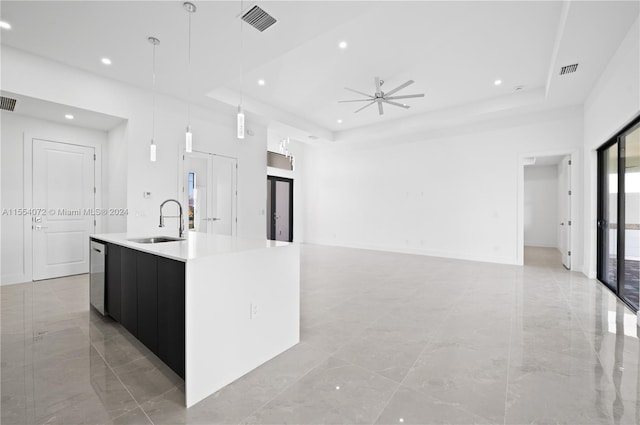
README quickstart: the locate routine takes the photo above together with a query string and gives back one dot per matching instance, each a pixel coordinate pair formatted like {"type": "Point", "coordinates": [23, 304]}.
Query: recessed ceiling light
{"type": "Point", "coordinates": [342, 45]}
{"type": "Point", "coordinates": [497, 82]}
{"type": "Point", "coordinates": [5, 25]}
{"type": "Point", "coordinates": [261, 82]}
{"type": "Point", "coordinates": [69, 116]}
{"type": "Point", "coordinates": [106, 61]}
{"type": "Point", "coordinates": [339, 121]}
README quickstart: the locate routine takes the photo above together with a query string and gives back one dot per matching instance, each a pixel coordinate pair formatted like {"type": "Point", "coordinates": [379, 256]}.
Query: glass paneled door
{"type": "Point", "coordinates": [279, 209]}
{"type": "Point", "coordinates": [608, 216]}
{"type": "Point", "coordinates": [630, 237]}
{"type": "Point", "coordinates": [210, 193]}
{"type": "Point", "coordinates": [619, 214]}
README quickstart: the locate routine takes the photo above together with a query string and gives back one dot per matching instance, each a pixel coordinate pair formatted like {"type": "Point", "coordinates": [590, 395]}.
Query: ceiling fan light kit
{"type": "Point", "coordinates": [381, 97]}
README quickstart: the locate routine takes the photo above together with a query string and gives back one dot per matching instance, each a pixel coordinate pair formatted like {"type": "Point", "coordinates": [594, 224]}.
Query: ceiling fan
{"type": "Point", "coordinates": [381, 97]}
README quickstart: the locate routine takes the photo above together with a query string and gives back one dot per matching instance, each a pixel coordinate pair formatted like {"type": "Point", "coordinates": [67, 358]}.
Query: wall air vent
{"type": "Point", "coordinates": [569, 69]}
{"type": "Point", "coordinates": [258, 18]}
{"type": "Point", "coordinates": [7, 104]}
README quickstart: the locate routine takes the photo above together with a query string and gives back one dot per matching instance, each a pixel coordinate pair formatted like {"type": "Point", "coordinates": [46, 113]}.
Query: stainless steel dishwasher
{"type": "Point", "coordinates": [97, 275]}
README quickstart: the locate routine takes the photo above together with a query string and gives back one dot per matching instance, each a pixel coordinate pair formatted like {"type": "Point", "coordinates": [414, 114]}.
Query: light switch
{"type": "Point", "coordinates": [146, 194]}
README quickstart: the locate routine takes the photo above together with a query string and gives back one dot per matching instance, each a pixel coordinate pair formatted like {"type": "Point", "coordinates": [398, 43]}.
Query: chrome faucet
{"type": "Point", "coordinates": [181, 224]}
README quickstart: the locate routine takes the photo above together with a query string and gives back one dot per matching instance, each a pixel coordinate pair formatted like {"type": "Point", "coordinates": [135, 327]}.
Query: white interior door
{"type": "Point", "coordinates": [564, 213]}
{"type": "Point", "coordinates": [63, 197]}
{"type": "Point", "coordinates": [223, 195]}
{"type": "Point", "coordinates": [212, 205]}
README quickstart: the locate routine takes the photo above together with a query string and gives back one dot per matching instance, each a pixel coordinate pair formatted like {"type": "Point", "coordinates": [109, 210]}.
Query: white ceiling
{"type": "Point", "coordinates": [453, 50]}
{"type": "Point", "coordinates": [55, 112]}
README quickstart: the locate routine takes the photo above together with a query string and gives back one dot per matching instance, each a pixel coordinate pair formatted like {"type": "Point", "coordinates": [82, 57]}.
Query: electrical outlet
{"type": "Point", "coordinates": [253, 311]}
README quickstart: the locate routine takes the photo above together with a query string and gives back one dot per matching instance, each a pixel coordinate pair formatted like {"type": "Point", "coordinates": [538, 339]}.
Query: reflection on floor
{"type": "Point", "coordinates": [386, 338]}
{"type": "Point", "coordinates": [631, 278]}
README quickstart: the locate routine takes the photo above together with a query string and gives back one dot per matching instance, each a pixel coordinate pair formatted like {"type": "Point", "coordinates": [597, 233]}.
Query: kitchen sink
{"type": "Point", "coordinates": [156, 239]}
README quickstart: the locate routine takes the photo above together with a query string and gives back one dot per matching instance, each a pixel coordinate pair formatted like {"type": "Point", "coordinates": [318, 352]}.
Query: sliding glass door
{"type": "Point", "coordinates": [619, 214]}
{"type": "Point", "coordinates": [630, 161]}
{"type": "Point", "coordinates": [608, 216]}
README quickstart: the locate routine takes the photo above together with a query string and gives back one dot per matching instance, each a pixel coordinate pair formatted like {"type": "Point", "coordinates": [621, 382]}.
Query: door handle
{"type": "Point", "coordinates": [39, 227]}
{"type": "Point", "coordinates": [213, 219]}
{"type": "Point", "coordinates": [562, 224]}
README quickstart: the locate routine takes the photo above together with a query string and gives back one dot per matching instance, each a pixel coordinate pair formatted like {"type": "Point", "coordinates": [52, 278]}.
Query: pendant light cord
{"type": "Point", "coordinates": [241, 55]}
{"type": "Point", "coordinates": [153, 90]}
{"type": "Point", "coordinates": [189, 72]}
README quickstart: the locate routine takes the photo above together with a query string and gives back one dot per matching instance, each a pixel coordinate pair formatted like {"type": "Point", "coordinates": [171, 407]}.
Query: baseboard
{"type": "Point", "coordinates": [12, 279]}
{"type": "Point", "coordinates": [539, 245]}
{"type": "Point", "coordinates": [415, 251]}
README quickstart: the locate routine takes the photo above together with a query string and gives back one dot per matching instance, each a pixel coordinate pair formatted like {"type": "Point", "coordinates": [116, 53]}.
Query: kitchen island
{"type": "Point", "coordinates": [211, 307]}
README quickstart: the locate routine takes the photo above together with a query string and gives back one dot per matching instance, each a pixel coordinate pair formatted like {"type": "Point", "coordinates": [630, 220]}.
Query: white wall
{"type": "Point", "coordinates": [16, 131]}
{"type": "Point", "coordinates": [450, 196]}
{"type": "Point", "coordinates": [213, 129]}
{"type": "Point", "coordinates": [116, 178]}
{"type": "Point", "coordinates": [541, 206]}
{"type": "Point", "coordinates": [613, 103]}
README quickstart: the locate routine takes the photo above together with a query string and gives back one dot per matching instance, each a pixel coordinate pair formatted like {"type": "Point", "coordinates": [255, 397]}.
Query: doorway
{"type": "Point", "coordinates": [279, 208]}
{"type": "Point", "coordinates": [210, 193]}
{"type": "Point", "coordinates": [547, 209]}
{"type": "Point", "coordinates": [63, 199]}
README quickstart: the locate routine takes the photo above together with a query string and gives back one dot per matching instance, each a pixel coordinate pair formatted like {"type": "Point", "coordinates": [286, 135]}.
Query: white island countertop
{"type": "Point", "coordinates": [194, 246]}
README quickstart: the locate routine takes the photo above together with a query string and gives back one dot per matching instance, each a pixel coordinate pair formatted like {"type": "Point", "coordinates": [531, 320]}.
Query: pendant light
{"type": "Point", "coordinates": [240, 116]}
{"type": "Point", "coordinates": [152, 148]}
{"type": "Point", "coordinates": [284, 150]}
{"type": "Point", "coordinates": [188, 143]}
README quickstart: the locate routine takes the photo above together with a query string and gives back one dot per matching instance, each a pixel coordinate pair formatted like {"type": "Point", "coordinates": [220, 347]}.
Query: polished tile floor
{"type": "Point", "coordinates": [385, 338]}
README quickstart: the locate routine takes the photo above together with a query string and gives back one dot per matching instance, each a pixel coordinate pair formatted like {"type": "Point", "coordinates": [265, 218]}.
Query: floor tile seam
{"type": "Point", "coordinates": [446, 316]}
{"type": "Point", "coordinates": [116, 368]}
{"type": "Point", "coordinates": [284, 389]}
{"type": "Point", "coordinates": [123, 385]}
{"type": "Point", "coordinates": [153, 399]}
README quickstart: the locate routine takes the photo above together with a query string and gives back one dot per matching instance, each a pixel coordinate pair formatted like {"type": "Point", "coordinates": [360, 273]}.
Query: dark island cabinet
{"type": "Point", "coordinates": [171, 314]}
{"type": "Point", "coordinates": [114, 276]}
{"type": "Point", "coordinates": [147, 290]}
{"type": "Point", "coordinates": [146, 294]}
{"type": "Point", "coordinates": [128, 290]}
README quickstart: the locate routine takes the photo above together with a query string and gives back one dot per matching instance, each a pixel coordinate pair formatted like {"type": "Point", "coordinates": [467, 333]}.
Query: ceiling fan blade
{"type": "Point", "coordinates": [358, 100]}
{"type": "Point", "coordinates": [380, 111]}
{"type": "Point", "coordinates": [365, 106]}
{"type": "Point", "coordinates": [396, 104]}
{"type": "Point", "coordinates": [377, 80]}
{"type": "Point", "coordinates": [406, 96]}
{"type": "Point", "coordinates": [400, 87]}
{"type": "Point", "coordinates": [359, 92]}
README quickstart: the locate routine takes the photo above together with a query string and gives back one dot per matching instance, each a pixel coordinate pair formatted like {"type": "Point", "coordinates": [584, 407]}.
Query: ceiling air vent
{"type": "Point", "coordinates": [258, 18]}
{"type": "Point", "coordinates": [7, 104]}
{"type": "Point", "coordinates": [569, 69]}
